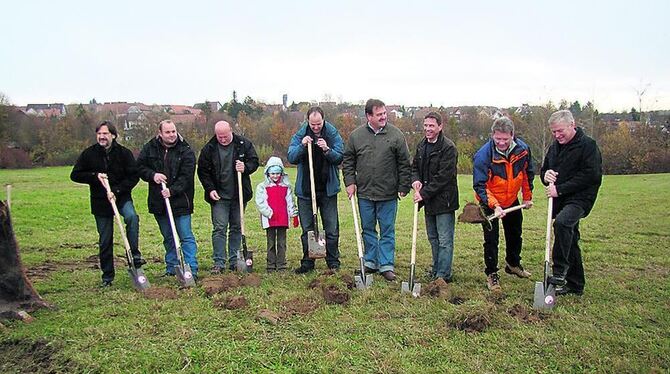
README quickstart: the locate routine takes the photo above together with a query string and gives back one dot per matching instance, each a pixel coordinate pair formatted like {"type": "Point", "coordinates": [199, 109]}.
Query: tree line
{"type": "Point", "coordinates": [628, 147]}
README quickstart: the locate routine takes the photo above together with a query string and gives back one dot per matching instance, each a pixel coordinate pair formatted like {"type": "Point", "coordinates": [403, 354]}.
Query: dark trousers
{"type": "Point", "coordinates": [331, 225]}
{"type": "Point", "coordinates": [276, 241]}
{"type": "Point", "coordinates": [105, 226]}
{"type": "Point", "coordinates": [566, 254]}
{"type": "Point", "coordinates": [512, 223]}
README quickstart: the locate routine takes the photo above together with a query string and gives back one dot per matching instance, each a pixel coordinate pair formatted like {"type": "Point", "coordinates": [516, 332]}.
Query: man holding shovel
{"type": "Point", "coordinates": [169, 159]}
{"type": "Point", "coordinates": [327, 148]}
{"type": "Point", "coordinates": [502, 168]}
{"type": "Point", "coordinates": [109, 159]}
{"type": "Point", "coordinates": [572, 169]}
{"type": "Point", "coordinates": [376, 167]}
{"type": "Point", "coordinates": [436, 189]}
{"type": "Point", "coordinates": [225, 155]}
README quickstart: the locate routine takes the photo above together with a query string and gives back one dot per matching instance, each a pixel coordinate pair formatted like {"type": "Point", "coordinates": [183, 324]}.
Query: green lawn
{"type": "Point", "coordinates": [621, 324]}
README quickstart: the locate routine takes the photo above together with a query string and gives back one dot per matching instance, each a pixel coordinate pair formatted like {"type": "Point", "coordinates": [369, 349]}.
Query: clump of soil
{"type": "Point", "coordinates": [251, 280]}
{"type": "Point", "coordinates": [437, 288]}
{"type": "Point", "coordinates": [40, 356]}
{"type": "Point", "coordinates": [348, 279]}
{"type": "Point", "coordinates": [335, 295]}
{"type": "Point", "coordinates": [232, 302]}
{"type": "Point", "coordinates": [457, 300]}
{"type": "Point", "coordinates": [299, 307]}
{"type": "Point", "coordinates": [161, 293]}
{"type": "Point", "coordinates": [476, 322]}
{"type": "Point", "coordinates": [524, 315]}
{"type": "Point", "coordinates": [268, 316]}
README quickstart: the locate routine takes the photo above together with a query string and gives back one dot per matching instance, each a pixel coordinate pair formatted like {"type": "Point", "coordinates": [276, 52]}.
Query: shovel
{"type": "Point", "coordinates": [473, 213]}
{"type": "Point", "coordinates": [361, 280]}
{"type": "Point", "coordinates": [140, 281]}
{"type": "Point", "coordinates": [244, 257]}
{"type": "Point", "coordinates": [183, 270]}
{"type": "Point", "coordinates": [316, 245]}
{"type": "Point", "coordinates": [9, 196]}
{"type": "Point", "coordinates": [411, 286]}
{"type": "Point", "coordinates": [545, 293]}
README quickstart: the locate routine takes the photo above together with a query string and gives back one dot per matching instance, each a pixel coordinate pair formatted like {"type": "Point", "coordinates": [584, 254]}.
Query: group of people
{"type": "Point", "coordinates": [376, 168]}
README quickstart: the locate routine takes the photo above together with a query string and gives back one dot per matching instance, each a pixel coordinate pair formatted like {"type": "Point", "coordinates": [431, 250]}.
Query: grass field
{"type": "Point", "coordinates": [621, 324]}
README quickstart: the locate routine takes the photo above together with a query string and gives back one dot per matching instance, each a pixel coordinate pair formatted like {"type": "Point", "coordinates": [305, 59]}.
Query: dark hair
{"type": "Point", "coordinates": [373, 103]}
{"type": "Point", "coordinates": [436, 116]}
{"type": "Point", "coordinates": [110, 127]}
{"type": "Point", "coordinates": [315, 109]}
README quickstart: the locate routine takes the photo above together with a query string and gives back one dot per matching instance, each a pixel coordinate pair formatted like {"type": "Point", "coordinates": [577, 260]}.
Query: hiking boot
{"type": "Point", "coordinates": [303, 270]}
{"type": "Point", "coordinates": [517, 270]}
{"type": "Point", "coordinates": [557, 281]}
{"type": "Point", "coordinates": [389, 275]}
{"type": "Point", "coordinates": [139, 262]}
{"type": "Point", "coordinates": [564, 290]}
{"type": "Point", "coordinates": [493, 282]}
{"type": "Point", "coordinates": [216, 270]}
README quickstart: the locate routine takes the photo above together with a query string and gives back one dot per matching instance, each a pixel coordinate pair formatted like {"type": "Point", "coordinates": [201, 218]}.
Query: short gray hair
{"type": "Point", "coordinates": [503, 124]}
{"type": "Point", "coordinates": [561, 116]}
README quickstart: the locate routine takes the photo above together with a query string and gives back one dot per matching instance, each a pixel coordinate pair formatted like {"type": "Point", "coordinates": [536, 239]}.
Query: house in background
{"type": "Point", "coordinates": [46, 110]}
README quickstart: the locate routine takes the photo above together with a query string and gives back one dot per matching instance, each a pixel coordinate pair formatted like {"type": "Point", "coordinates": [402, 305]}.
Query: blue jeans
{"type": "Point", "coordinates": [226, 216]}
{"type": "Point", "coordinates": [440, 230]}
{"type": "Point", "coordinates": [105, 226]}
{"type": "Point", "coordinates": [331, 226]}
{"type": "Point", "coordinates": [379, 250]}
{"type": "Point", "coordinates": [188, 246]}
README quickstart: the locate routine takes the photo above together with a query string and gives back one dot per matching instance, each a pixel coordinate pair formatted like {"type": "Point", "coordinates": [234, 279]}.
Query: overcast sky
{"type": "Point", "coordinates": [501, 53]}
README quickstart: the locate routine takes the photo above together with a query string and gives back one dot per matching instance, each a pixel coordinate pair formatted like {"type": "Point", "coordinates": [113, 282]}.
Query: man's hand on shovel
{"type": "Point", "coordinates": [102, 177]}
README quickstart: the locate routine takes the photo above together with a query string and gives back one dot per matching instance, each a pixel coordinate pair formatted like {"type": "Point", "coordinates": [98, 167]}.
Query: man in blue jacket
{"type": "Point", "coordinates": [327, 149]}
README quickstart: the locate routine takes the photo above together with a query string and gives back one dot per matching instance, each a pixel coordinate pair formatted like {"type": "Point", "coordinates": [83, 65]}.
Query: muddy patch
{"type": "Point", "coordinates": [220, 283]}
{"type": "Point", "coordinates": [437, 289]}
{"type": "Point", "coordinates": [335, 295]}
{"type": "Point", "coordinates": [298, 307]}
{"type": "Point", "coordinates": [335, 288]}
{"type": "Point", "coordinates": [44, 270]}
{"type": "Point", "coordinates": [457, 300]}
{"type": "Point", "coordinates": [40, 356]}
{"type": "Point", "coordinates": [231, 302]}
{"type": "Point", "coordinates": [161, 293]}
{"type": "Point", "coordinates": [522, 313]}
{"type": "Point", "coordinates": [476, 322]}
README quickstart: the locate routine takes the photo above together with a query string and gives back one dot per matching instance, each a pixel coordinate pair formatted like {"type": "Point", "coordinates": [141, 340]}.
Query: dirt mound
{"type": "Point", "coordinates": [265, 315]}
{"type": "Point", "coordinates": [44, 270]}
{"type": "Point", "coordinates": [332, 277]}
{"type": "Point", "coordinates": [348, 279]}
{"type": "Point", "coordinates": [161, 293]}
{"type": "Point", "coordinates": [232, 302]}
{"type": "Point", "coordinates": [335, 295]}
{"type": "Point", "coordinates": [437, 288]}
{"type": "Point", "coordinates": [40, 356]}
{"type": "Point", "coordinates": [522, 313]}
{"type": "Point", "coordinates": [299, 307]}
{"type": "Point", "coordinates": [476, 322]}
{"type": "Point", "coordinates": [250, 280]}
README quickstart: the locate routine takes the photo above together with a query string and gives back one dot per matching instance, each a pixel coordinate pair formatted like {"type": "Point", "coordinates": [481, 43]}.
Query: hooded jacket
{"type": "Point", "coordinates": [275, 200]}
{"type": "Point", "coordinates": [178, 164]}
{"type": "Point", "coordinates": [497, 179]}
{"type": "Point", "coordinates": [297, 155]}
{"type": "Point", "coordinates": [120, 167]}
{"type": "Point", "coordinates": [579, 167]}
{"type": "Point", "coordinates": [208, 166]}
{"type": "Point", "coordinates": [437, 173]}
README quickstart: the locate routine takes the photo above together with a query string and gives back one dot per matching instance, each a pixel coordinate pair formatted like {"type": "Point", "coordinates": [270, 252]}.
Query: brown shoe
{"type": "Point", "coordinates": [389, 275]}
{"type": "Point", "coordinates": [517, 270]}
{"type": "Point", "coordinates": [492, 282]}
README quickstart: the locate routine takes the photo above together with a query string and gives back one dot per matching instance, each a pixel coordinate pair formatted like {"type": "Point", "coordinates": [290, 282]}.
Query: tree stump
{"type": "Point", "coordinates": [17, 295]}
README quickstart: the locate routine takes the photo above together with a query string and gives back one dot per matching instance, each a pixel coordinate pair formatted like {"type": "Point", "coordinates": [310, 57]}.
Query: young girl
{"type": "Point", "coordinates": [274, 200]}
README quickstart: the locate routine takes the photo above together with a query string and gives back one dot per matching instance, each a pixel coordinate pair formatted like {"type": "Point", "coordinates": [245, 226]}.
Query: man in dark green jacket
{"type": "Point", "coordinates": [436, 189]}
{"type": "Point", "coordinates": [376, 167]}
{"type": "Point", "coordinates": [572, 169]}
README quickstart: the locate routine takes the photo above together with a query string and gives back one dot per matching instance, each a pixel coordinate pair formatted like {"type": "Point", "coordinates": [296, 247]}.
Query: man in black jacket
{"type": "Point", "coordinates": [220, 160]}
{"type": "Point", "coordinates": [169, 159]}
{"type": "Point", "coordinates": [436, 189]}
{"type": "Point", "coordinates": [108, 159]}
{"type": "Point", "coordinates": [572, 169]}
